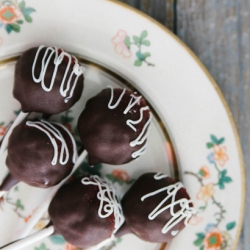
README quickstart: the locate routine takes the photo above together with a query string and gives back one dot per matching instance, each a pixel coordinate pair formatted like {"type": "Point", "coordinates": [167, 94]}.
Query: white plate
{"type": "Point", "coordinates": [174, 82]}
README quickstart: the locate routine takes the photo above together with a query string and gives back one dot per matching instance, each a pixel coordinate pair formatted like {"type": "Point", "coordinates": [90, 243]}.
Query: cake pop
{"type": "Point", "coordinates": [86, 212]}
{"type": "Point", "coordinates": [156, 208]}
{"type": "Point", "coordinates": [114, 126]}
{"type": "Point", "coordinates": [40, 153]}
{"type": "Point", "coordinates": [47, 80]}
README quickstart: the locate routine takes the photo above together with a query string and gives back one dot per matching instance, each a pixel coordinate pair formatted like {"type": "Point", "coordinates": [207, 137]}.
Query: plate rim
{"type": "Point", "coordinates": [221, 96]}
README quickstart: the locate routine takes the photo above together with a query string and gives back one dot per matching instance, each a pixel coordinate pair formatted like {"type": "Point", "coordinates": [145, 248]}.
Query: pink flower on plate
{"type": "Point", "coordinates": [220, 155]}
{"type": "Point", "coordinates": [206, 192]}
{"type": "Point", "coordinates": [119, 44]}
{"type": "Point", "coordinates": [213, 240]}
{"type": "Point", "coordinates": [9, 14]}
{"type": "Point", "coordinates": [195, 220]}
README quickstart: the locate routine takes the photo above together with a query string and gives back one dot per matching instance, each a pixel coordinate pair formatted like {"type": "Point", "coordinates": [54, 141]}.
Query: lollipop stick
{"type": "Point", "coordinates": [2, 193]}
{"type": "Point", "coordinates": [79, 160]}
{"type": "Point", "coordinates": [30, 239]}
{"type": "Point", "coordinates": [17, 121]}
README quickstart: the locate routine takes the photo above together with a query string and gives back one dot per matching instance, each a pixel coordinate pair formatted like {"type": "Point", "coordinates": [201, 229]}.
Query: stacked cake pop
{"type": "Point", "coordinates": [47, 80]}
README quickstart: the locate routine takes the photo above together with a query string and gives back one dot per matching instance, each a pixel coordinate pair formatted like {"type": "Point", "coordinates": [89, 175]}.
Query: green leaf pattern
{"type": "Point", "coordinates": [57, 239]}
{"type": "Point", "coordinates": [138, 43]}
{"type": "Point", "coordinates": [19, 204]}
{"type": "Point", "coordinates": [41, 247]}
{"type": "Point", "coordinates": [231, 225]}
{"type": "Point", "coordinates": [127, 42]}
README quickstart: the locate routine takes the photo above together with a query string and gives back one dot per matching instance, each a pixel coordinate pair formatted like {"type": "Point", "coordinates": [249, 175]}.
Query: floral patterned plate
{"type": "Point", "coordinates": [122, 47]}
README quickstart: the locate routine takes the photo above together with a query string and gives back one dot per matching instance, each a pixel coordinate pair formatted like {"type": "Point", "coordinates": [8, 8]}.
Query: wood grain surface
{"type": "Point", "coordinates": [218, 31]}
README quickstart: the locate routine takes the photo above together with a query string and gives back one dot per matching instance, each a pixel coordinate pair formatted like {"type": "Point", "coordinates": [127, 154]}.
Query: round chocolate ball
{"type": "Point", "coordinates": [31, 153]}
{"type": "Point", "coordinates": [113, 126]}
{"type": "Point", "coordinates": [156, 208]}
{"type": "Point", "coordinates": [50, 70]}
{"type": "Point", "coordinates": [75, 212]}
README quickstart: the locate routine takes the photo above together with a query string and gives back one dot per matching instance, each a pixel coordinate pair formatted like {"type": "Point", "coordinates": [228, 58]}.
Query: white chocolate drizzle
{"type": "Point", "coordinates": [132, 103]}
{"type": "Point", "coordinates": [131, 122]}
{"type": "Point", "coordinates": [52, 132]}
{"type": "Point", "coordinates": [106, 195]}
{"type": "Point", "coordinates": [159, 176]}
{"type": "Point", "coordinates": [118, 101]}
{"type": "Point", "coordinates": [59, 56]}
{"type": "Point", "coordinates": [185, 212]}
{"type": "Point", "coordinates": [175, 232]}
{"type": "Point", "coordinates": [142, 137]}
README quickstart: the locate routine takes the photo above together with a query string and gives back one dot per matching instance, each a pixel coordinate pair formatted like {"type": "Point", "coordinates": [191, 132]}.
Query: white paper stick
{"type": "Point", "coordinates": [53, 190]}
{"type": "Point", "coordinates": [2, 193]}
{"type": "Point", "coordinates": [30, 239]}
{"type": "Point", "coordinates": [17, 121]}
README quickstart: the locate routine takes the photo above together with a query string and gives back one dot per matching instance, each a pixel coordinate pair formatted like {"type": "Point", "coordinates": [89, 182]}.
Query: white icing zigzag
{"type": "Point", "coordinates": [145, 131]}
{"type": "Point", "coordinates": [159, 176]}
{"type": "Point", "coordinates": [185, 212]}
{"type": "Point", "coordinates": [49, 52]}
{"type": "Point", "coordinates": [106, 195]}
{"type": "Point", "coordinates": [52, 132]}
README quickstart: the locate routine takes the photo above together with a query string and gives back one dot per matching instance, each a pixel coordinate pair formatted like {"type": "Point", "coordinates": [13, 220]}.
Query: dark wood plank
{"type": "Point", "coordinates": [161, 10]}
{"type": "Point", "coordinates": [218, 31]}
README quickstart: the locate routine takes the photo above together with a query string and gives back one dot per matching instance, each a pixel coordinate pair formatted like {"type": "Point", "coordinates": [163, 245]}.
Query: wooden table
{"type": "Point", "coordinates": [218, 31]}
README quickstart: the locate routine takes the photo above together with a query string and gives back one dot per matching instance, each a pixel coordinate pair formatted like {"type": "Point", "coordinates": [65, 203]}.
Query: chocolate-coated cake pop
{"type": "Point", "coordinates": [156, 207]}
{"type": "Point", "coordinates": [41, 153]}
{"type": "Point", "coordinates": [114, 126]}
{"type": "Point", "coordinates": [47, 80]}
{"type": "Point", "coordinates": [86, 211]}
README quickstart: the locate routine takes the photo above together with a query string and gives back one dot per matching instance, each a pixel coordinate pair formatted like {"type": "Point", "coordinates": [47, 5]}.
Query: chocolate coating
{"type": "Point", "coordinates": [74, 213]}
{"type": "Point", "coordinates": [31, 95]}
{"type": "Point", "coordinates": [136, 212]}
{"type": "Point", "coordinates": [30, 153]}
{"type": "Point", "coordinates": [104, 132]}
